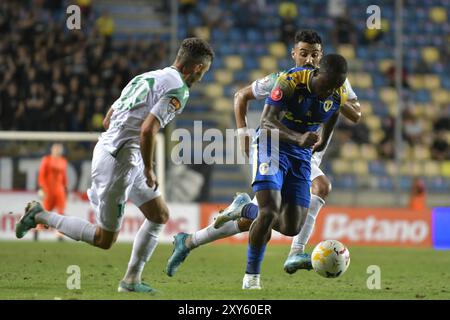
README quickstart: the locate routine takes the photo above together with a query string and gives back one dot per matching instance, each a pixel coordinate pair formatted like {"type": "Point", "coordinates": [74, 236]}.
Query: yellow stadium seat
{"type": "Point", "coordinates": [223, 76]}
{"type": "Point", "coordinates": [447, 137]}
{"type": "Point", "coordinates": [366, 108]}
{"type": "Point", "coordinates": [388, 95]}
{"type": "Point", "coordinates": [234, 62]}
{"type": "Point", "coordinates": [416, 81]}
{"type": "Point", "coordinates": [440, 96]}
{"type": "Point", "coordinates": [438, 14]}
{"type": "Point", "coordinates": [368, 152]}
{"type": "Point", "coordinates": [257, 74]}
{"type": "Point", "coordinates": [385, 64]}
{"type": "Point", "coordinates": [223, 105]}
{"type": "Point", "coordinates": [288, 9]}
{"type": "Point", "coordinates": [373, 122]}
{"type": "Point", "coordinates": [278, 50]}
{"type": "Point", "coordinates": [432, 81]}
{"type": "Point", "coordinates": [391, 168]}
{"type": "Point", "coordinates": [347, 51]}
{"type": "Point", "coordinates": [268, 63]}
{"type": "Point", "coordinates": [376, 136]}
{"type": "Point", "coordinates": [361, 167]}
{"type": "Point", "coordinates": [202, 33]}
{"type": "Point", "coordinates": [214, 90]}
{"type": "Point", "coordinates": [411, 168]}
{"type": "Point", "coordinates": [430, 55]}
{"type": "Point", "coordinates": [363, 80]}
{"type": "Point", "coordinates": [445, 168]}
{"type": "Point", "coordinates": [341, 166]}
{"type": "Point", "coordinates": [421, 152]}
{"type": "Point", "coordinates": [349, 151]}
{"type": "Point", "coordinates": [431, 168]}
{"type": "Point", "coordinates": [392, 109]}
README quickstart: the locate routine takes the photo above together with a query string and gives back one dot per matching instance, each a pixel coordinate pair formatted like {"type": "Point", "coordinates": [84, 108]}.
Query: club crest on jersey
{"type": "Point", "coordinates": [264, 168]}
{"type": "Point", "coordinates": [327, 105]}
{"type": "Point", "coordinates": [174, 104]}
{"type": "Point", "coordinates": [277, 94]}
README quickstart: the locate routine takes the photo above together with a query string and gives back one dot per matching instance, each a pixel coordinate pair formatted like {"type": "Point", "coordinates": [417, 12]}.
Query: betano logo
{"type": "Point", "coordinates": [373, 229]}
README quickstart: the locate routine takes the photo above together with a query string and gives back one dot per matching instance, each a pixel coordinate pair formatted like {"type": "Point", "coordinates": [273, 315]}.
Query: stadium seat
{"type": "Point", "coordinates": [213, 90]}
{"type": "Point", "coordinates": [432, 81]}
{"type": "Point", "coordinates": [421, 152]}
{"type": "Point", "coordinates": [341, 166]}
{"type": "Point", "coordinates": [349, 151]}
{"type": "Point", "coordinates": [431, 168]}
{"type": "Point", "coordinates": [360, 168]}
{"type": "Point", "coordinates": [438, 14]}
{"type": "Point", "coordinates": [416, 81]}
{"type": "Point", "coordinates": [366, 108]}
{"type": "Point", "coordinates": [388, 95]}
{"type": "Point", "coordinates": [368, 152]}
{"type": "Point", "coordinates": [223, 76]}
{"type": "Point", "coordinates": [440, 96]}
{"type": "Point", "coordinates": [361, 80]}
{"type": "Point", "coordinates": [385, 64]}
{"type": "Point", "coordinates": [445, 168]}
{"type": "Point", "coordinates": [223, 104]}
{"type": "Point", "coordinates": [430, 55]}
{"type": "Point", "coordinates": [268, 63]}
{"type": "Point", "coordinates": [373, 122]}
{"type": "Point", "coordinates": [347, 51]}
{"type": "Point", "coordinates": [257, 74]}
{"type": "Point", "coordinates": [233, 62]}
{"type": "Point", "coordinates": [376, 136]}
{"type": "Point", "coordinates": [278, 50]}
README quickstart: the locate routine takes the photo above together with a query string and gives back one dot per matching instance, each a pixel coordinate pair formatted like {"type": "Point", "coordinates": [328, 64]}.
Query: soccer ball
{"type": "Point", "coordinates": [330, 259]}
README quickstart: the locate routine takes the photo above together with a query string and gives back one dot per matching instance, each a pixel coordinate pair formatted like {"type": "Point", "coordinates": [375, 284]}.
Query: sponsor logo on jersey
{"type": "Point", "coordinates": [327, 105]}
{"type": "Point", "coordinates": [277, 94]}
{"type": "Point", "coordinates": [174, 104]}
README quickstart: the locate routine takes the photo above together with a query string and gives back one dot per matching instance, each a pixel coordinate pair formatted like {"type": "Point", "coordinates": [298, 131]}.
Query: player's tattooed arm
{"type": "Point", "coordinates": [271, 120]}
{"type": "Point", "coordinates": [326, 133]}
{"type": "Point", "coordinates": [149, 130]}
{"type": "Point", "coordinates": [107, 119]}
{"type": "Point", "coordinates": [351, 110]}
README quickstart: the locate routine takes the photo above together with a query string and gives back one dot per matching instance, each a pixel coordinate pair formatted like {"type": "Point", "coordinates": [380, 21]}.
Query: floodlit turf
{"type": "Point", "coordinates": [30, 270]}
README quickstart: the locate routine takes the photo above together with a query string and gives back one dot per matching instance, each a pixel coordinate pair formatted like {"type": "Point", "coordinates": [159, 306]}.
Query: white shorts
{"type": "Point", "coordinates": [114, 181]}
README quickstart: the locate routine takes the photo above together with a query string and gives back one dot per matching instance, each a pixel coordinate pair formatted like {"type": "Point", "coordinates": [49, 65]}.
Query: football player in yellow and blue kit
{"type": "Point", "coordinates": [300, 101]}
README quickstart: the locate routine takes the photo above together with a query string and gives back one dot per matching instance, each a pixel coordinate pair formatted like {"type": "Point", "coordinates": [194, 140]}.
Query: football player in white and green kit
{"type": "Point", "coordinates": [122, 163]}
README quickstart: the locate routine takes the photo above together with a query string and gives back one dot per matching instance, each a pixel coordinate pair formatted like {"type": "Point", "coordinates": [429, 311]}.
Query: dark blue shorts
{"type": "Point", "coordinates": [290, 175]}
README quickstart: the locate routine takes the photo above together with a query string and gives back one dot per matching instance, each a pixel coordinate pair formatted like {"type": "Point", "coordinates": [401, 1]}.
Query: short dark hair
{"type": "Point", "coordinates": [333, 63]}
{"type": "Point", "coordinates": [308, 36]}
{"type": "Point", "coordinates": [194, 50]}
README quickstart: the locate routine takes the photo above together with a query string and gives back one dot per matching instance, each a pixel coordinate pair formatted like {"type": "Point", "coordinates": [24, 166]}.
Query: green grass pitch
{"type": "Point", "coordinates": [37, 270]}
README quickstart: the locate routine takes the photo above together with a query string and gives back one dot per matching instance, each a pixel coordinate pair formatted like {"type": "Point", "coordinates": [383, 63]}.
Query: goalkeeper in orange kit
{"type": "Point", "coordinates": [53, 180]}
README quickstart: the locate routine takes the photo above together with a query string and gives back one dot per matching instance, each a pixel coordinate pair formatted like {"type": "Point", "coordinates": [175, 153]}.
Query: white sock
{"type": "Point", "coordinates": [73, 227]}
{"type": "Point", "coordinates": [144, 244]}
{"type": "Point", "coordinates": [210, 234]}
{"type": "Point", "coordinates": [300, 240]}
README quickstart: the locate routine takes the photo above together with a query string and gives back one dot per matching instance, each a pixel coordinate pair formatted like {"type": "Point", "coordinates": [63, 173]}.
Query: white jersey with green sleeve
{"type": "Point", "coordinates": [261, 89]}
{"type": "Point", "coordinates": [162, 93]}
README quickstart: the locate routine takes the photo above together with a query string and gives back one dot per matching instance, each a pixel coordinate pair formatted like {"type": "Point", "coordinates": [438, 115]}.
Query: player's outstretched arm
{"type": "Point", "coordinates": [270, 120]}
{"type": "Point", "coordinates": [241, 99]}
{"type": "Point", "coordinates": [149, 130]}
{"type": "Point", "coordinates": [351, 110]}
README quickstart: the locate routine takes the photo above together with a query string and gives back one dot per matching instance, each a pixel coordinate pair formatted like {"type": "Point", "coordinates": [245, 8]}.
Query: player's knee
{"type": "Point", "coordinates": [321, 187]}
{"type": "Point", "coordinates": [290, 231]}
{"type": "Point", "coordinates": [267, 215]}
{"type": "Point", "coordinates": [244, 224]}
{"type": "Point", "coordinates": [162, 216]}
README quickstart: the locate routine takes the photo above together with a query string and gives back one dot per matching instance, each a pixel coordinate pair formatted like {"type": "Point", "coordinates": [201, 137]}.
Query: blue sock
{"type": "Point", "coordinates": [255, 256]}
{"type": "Point", "coordinates": [249, 211]}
